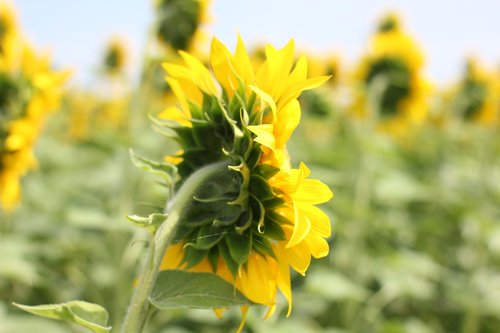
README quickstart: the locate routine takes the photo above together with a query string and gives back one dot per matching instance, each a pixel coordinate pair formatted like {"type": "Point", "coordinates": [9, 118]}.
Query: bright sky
{"type": "Point", "coordinates": [448, 30]}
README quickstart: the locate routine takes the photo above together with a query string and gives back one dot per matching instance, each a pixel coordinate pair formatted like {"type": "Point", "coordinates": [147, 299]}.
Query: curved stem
{"type": "Point", "coordinates": [138, 309]}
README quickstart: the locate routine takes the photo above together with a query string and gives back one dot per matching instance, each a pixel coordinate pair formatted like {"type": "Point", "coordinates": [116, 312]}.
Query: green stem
{"type": "Point", "coordinates": [137, 313]}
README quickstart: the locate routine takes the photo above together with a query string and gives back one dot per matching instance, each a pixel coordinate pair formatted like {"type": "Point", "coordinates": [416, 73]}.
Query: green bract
{"type": "Point", "coordinates": [233, 213]}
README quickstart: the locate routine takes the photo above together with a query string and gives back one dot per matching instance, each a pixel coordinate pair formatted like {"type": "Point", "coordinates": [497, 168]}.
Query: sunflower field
{"type": "Point", "coordinates": [257, 189]}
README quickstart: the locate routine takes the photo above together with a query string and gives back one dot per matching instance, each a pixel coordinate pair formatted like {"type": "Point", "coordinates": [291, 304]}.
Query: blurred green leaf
{"type": "Point", "coordinates": [89, 315]}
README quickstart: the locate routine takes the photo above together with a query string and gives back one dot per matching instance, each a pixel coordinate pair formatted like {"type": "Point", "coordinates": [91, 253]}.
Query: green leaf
{"type": "Point", "coordinates": [166, 171]}
{"type": "Point", "coordinates": [152, 222]}
{"type": "Point", "coordinates": [89, 315]}
{"type": "Point", "coordinates": [181, 289]}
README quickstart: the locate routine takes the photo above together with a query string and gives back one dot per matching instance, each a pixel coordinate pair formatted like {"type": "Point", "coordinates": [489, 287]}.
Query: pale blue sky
{"type": "Point", "coordinates": [448, 30]}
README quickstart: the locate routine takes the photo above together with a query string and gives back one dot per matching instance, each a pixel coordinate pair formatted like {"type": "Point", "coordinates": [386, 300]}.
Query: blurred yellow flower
{"type": "Point", "coordinates": [261, 217]}
{"type": "Point", "coordinates": [179, 23]}
{"type": "Point", "coordinates": [476, 96]}
{"type": "Point", "coordinates": [391, 80]}
{"type": "Point", "coordinates": [29, 89]}
{"type": "Point", "coordinates": [115, 57]}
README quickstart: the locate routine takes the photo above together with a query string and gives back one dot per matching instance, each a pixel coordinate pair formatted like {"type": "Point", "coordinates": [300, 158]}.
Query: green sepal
{"type": "Point", "coordinates": [263, 246]}
{"type": "Point", "coordinates": [277, 218]}
{"type": "Point", "coordinates": [237, 132]}
{"type": "Point", "coordinates": [152, 222]}
{"type": "Point", "coordinates": [89, 315]}
{"type": "Point", "coordinates": [273, 230]}
{"type": "Point", "coordinates": [167, 171]}
{"type": "Point", "coordinates": [207, 237]}
{"type": "Point", "coordinates": [184, 137]}
{"type": "Point", "coordinates": [204, 137]}
{"type": "Point", "coordinates": [244, 222]}
{"type": "Point", "coordinates": [266, 171]}
{"type": "Point", "coordinates": [239, 246]}
{"type": "Point", "coordinates": [254, 157]}
{"type": "Point", "coordinates": [193, 256]}
{"type": "Point", "coordinates": [259, 212]}
{"type": "Point", "coordinates": [181, 289]}
{"type": "Point", "coordinates": [200, 214]}
{"type": "Point", "coordinates": [274, 202]}
{"type": "Point", "coordinates": [249, 106]}
{"type": "Point", "coordinates": [226, 256]}
{"type": "Point", "coordinates": [242, 198]}
{"type": "Point", "coordinates": [260, 188]}
{"type": "Point", "coordinates": [229, 215]}
{"type": "Point", "coordinates": [213, 258]}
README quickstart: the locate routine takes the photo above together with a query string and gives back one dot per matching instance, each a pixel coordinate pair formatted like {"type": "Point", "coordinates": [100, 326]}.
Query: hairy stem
{"type": "Point", "coordinates": [138, 309]}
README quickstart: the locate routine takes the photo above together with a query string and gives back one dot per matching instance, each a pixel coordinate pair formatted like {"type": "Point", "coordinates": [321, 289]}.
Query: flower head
{"type": "Point", "coordinates": [391, 74]}
{"type": "Point", "coordinates": [476, 98]}
{"type": "Point", "coordinates": [259, 217]}
{"type": "Point", "coordinates": [179, 22]}
{"type": "Point", "coordinates": [29, 89]}
{"type": "Point", "coordinates": [115, 57]}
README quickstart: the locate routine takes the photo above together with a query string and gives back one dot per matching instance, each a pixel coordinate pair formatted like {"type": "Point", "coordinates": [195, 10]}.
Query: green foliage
{"type": "Point", "coordinates": [89, 315]}
{"type": "Point", "coordinates": [181, 289]}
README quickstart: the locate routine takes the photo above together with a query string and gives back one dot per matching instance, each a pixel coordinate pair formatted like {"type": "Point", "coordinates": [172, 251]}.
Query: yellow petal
{"type": "Point", "coordinates": [258, 280]}
{"type": "Point", "coordinates": [245, 68]}
{"type": "Point", "coordinates": [174, 114]}
{"type": "Point", "coordinates": [220, 59]}
{"type": "Point", "coordinates": [284, 276]}
{"type": "Point", "coordinates": [179, 94]}
{"type": "Point", "coordinates": [313, 192]}
{"type": "Point", "coordinates": [200, 74]}
{"type": "Point", "coordinates": [173, 257]}
{"type": "Point", "coordinates": [317, 245]}
{"type": "Point", "coordinates": [265, 135]}
{"type": "Point", "coordinates": [320, 222]}
{"type": "Point", "coordinates": [288, 120]}
{"type": "Point", "coordinates": [294, 90]}
{"type": "Point", "coordinates": [299, 257]}
{"type": "Point", "coordinates": [301, 228]}
{"type": "Point", "coordinates": [244, 312]}
{"type": "Point", "coordinates": [266, 98]}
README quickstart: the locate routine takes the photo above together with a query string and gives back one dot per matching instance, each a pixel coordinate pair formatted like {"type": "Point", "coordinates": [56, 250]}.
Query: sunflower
{"type": "Point", "coordinates": [29, 89]}
{"type": "Point", "coordinates": [476, 98]}
{"type": "Point", "coordinates": [259, 217]}
{"type": "Point", "coordinates": [179, 23]}
{"type": "Point", "coordinates": [115, 57]}
{"type": "Point", "coordinates": [390, 76]}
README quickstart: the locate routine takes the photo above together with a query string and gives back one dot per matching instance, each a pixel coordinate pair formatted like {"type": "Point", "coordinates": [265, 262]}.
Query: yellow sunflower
{"type": "Point", "coordinates": [29, 89]}
{"type": "Point", "coordinates": [391, 80]}
{"type": "Point", "coordinates": [115, 57]}
{"type": "Point", "coordinates": [179, 23]}
{"type": "Point", "coordinates": [260, 217]}
{"type": "Point", "coordinates": [476, 96]}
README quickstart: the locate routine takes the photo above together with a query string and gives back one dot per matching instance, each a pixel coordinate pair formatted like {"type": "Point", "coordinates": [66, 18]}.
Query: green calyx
{"type": "Point", "coordinates": [233, 213]}
{"type": "Point", "coordinates": [177, 22]}
{"type": "Point", "coordinates": [393, 80]}
{"type": "Point", "coordinates": [390, 23]}
{"type": "Point", "coordinates": [114, 59]}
